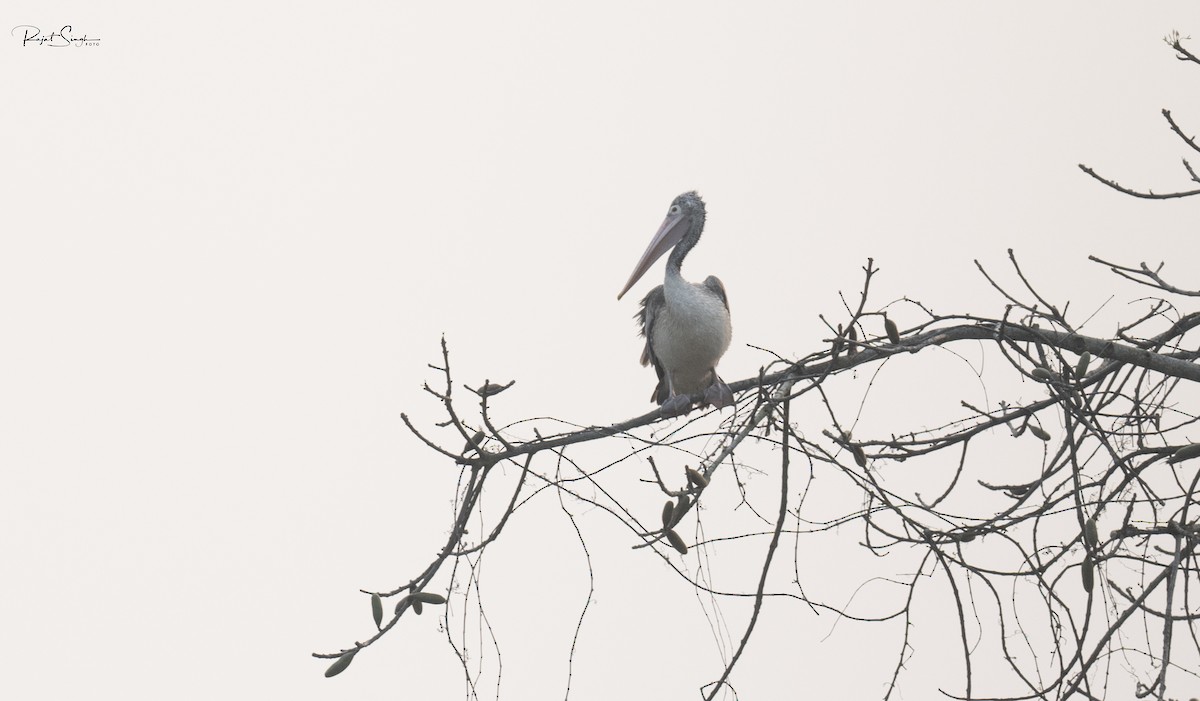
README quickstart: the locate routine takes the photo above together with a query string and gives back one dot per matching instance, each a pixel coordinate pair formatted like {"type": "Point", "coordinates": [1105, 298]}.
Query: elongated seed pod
{"type": "Point", "coordinates": [1042, 374]}
{"type": "Point", "coordinates": [475, 443]}
{"type": "Point", "coordinates": [490, 389]}
{"type": "Point", "coordinates": [427, 597]}
{"type": "Point", "coordinates": [1017, 491]}
{"type": "Point", "coordinates": [340, 664]}
{"type": "Point", "coordinates": [676, 542]}
{"type": "Point", "coordinates": [1039, 432]}
{"type": "Point", "coordinates": [1187, 452]}
{"type": "Point", "coordinates": [696, 477]}
{"type": "Point", "coordinates": [1091, 535]}
{"type": "Point", "coordinates": [859, 456]}
{"type": "Point", "coordinates": [851, 347]}
{"type": "Point", "coordinates": [1089, 577]}
{"type": "Point", "coordinates": [411, 602]}
{"type": "Point", "coordinates": [682, 502]}
{"type": "Point", "coordinates": [668, 513]}
{"type": "Point", "coordinates": [893, 333]}
{"type": "Point", "coordinates": [1082, 365]}
{"type": "Point", "coordinates": [377, 609]}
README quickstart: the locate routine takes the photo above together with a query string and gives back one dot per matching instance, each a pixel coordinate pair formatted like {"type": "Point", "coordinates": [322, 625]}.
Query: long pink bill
{"type": "Point", "coordinates": [668, 235]}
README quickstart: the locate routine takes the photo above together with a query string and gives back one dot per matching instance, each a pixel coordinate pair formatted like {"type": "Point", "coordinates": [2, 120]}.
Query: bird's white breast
{"type": "Point", "coordinates": [691, 333]}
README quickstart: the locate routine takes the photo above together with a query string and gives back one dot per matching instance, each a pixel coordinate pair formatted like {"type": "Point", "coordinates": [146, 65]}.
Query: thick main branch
{"type": "Point", "coordinates": [984, 331]}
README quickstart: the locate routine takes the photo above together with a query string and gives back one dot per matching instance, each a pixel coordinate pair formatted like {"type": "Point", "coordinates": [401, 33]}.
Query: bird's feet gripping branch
{"type": "Point", "coordinates": [686, 324]}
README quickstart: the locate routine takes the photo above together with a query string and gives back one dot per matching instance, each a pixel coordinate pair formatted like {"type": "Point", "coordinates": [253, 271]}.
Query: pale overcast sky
{"type": "Point", "coordinates": [235, 232]}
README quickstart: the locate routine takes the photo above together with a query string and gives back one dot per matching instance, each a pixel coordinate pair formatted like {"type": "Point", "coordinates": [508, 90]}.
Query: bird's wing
{"type": "Point", "coordinates": [652, 303]}
{"type": "Point", "coordinates": [713, 283]}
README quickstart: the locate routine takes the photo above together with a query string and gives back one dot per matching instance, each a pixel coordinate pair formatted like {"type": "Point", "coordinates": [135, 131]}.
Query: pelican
{"type": "Point", "coordinates": [686, 324]}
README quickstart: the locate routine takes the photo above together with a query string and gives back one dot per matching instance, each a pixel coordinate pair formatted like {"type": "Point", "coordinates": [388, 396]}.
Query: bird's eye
{"type": "Point", "coordinates": [674, 209]}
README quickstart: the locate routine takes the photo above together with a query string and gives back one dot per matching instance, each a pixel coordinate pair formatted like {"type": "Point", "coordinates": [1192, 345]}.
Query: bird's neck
{"type": "Point", "coordinates": [674, 275]}
{"type": "Point", "coordinates": [684, 247]}
{"type": "Point", "coordinates": [685, 298]}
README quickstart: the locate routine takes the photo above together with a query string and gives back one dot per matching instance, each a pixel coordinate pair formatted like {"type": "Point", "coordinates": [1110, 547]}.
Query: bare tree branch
{"type": "Point", "coordinates": [1068, 555]}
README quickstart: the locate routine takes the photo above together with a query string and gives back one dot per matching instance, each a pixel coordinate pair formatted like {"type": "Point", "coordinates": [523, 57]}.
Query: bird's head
{"type": "Point", "coordinates": [687, 213]}
{"type": "Point", "coordinates": [687, 204]}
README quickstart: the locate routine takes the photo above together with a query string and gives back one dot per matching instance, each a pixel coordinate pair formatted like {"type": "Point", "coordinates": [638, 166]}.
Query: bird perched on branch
{"type": "Point", "coordinates": [686, 324]}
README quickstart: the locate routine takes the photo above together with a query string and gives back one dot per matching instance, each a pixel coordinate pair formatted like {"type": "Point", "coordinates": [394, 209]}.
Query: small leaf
{"type": "Point", "coordinates": [852, 336]}
{"type": "Point", "coordinates": [1187, 452]}
{"type": "Point", "coordinates": [474, 443]}
{"type": "Point", "coordinates": [377, 609]}
{"type": "Point", "coordinates": [676, 542]}
{"type": "Point", "coordinates": [696, 477]}
{"type": "Point", "coordinates": [1039, 432]}
{"type": "Point", "coordinates": [1015, 491]}
{"type": "Point", "coordinates": [417, 607]}
{"type": "Point", "coordinates": [859, 456]}
{"type": "Point", "coordinates": [340, 664]}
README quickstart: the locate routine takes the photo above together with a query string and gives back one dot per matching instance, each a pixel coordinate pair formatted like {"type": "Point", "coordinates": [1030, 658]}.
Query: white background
{"type": "Point", "coordinates": [233, 234]}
